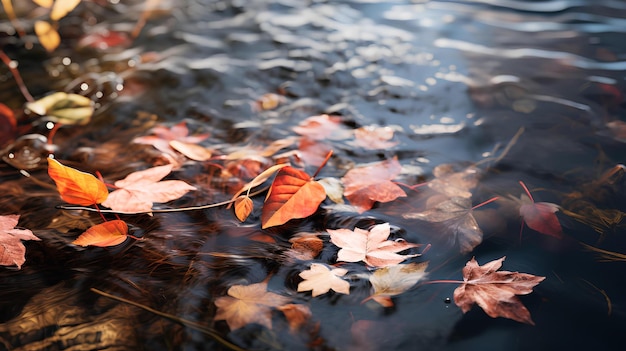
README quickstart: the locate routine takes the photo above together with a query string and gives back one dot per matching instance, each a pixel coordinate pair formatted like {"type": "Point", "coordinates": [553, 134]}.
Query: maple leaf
{"type": "Point", "coordinates": [321, 279]}
{"type": "Point", "coordinates": [456, 222]}
{"type": "Point", "coordinates": [248, 304]}
{"type": "Point", "coordinates": [367, 184]}
{"type": "Point", "coordinates": [394, 280]}
{"type": "Point", "coordinates": [323, 127]}
{"type": "Point", "coordinates": [494, 291]}
{"type": "Point", "coordinates": [12, 251]}
{"type": "Point", "coordinates": [140, 189]}
{"type": "Point", "coordinates": [293, 194]}
{"type": "Point", "coordinates": [76, 187]}
{"type": "Point", "coordinates": [540, 216]}
{"type": "Point", "coordinates": [109, 233]}
{"type": "Point", "coordinates": [164, 135]}
{"type": "Point", "coordinates": [371, 247]}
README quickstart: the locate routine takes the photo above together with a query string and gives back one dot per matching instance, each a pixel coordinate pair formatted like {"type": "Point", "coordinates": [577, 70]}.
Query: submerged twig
{"type": "Point", "coordinates": [506, 150]}
{"type": "Point", "coordinates": [606, 297]}
{"type": "Point", "coordinates": [191, 324]}
{"type": "Point", "coordinates": [16, 75]}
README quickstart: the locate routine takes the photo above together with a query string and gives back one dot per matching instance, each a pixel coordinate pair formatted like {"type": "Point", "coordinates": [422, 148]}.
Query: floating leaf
{"type": "Point", "coordinates": [109, 233]}
{"type": "Point", "coordinates": [139, 190]}
{"type": "Point", "coordinates": [371, 247]}
{"type": "Point", "coordinates": [12, 251]}
{"type": "Point", "coordinates": [260, 179]}
{"type": "Point", "coordinates": [76, 187]}
{"type": "Point", "coordinates": [374, 137]}
{"type": "Point", "coordinates": [48, 36]}
{"type": "Point", "coordinates": [248, 304]}
{"type": "Point", "coordinates": [164, 135]}
{"type": "Point", "coordinates": [62, 8]}
{"type": "Point", "coordinates": [243, 207]}
{"type": "Point", "coordinates": [494, 291]}
{"type": "Point", "coordinates": [394, 280]}
{"type": "Point", "coordinates": [540, 216]}
{"type": "Point", "coordinates": [64, 108]}
{"type": "Point", "coordinates": [452, 183]}
{"type": "Point", "coordinates": [293, 194]}
{"type": "Point", "coordinates": [321, 279]}
{"type": "Point", "coordinates": [368, 184]}
{"type": "Point", "coordinates": [191, 151]}
{"type": "Point", "coordinates": [305, 246]}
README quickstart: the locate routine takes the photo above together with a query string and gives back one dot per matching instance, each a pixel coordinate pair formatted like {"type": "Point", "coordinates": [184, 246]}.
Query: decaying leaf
{"type": "Point", "coordinates": [243, 207]}
{"type": "Point", "coordinates": [48, 36]}
{"type": "Point", "coordinates": [63, 108]}
{"type": "Point", "coordinates": [394, 280]}
{"type": "Point", "coordinates": [455, 222]}
{"type": "Point", "coordinates": [367, 184]}
{"type": "Point", "coordinates": [109, 233]}
{"type": "Point", "coordinates": [494, 291]}
{"type": "Point", "coordinates": [540, 216]}
{"type": "Point", "coordinates": [320, 279]}
{"type": "Point", "coordinates": [293, 194]}
{"type": "Point", "coordinates": [371, 247]}
{"type": "Point", "coordinates": [76, 187]}
{"type": "Point", "coordinates": [248, 304]}
{"type": "Point", "coordinates": [139, 190]}
{"type": "Point", "coordinates": [12, 251]}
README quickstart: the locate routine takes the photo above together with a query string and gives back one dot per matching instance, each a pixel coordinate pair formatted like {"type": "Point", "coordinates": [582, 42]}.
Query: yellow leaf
{"type": "Point", "coordinates": [62, 8]}
{"type": "Point", "coordinates": [44, 3]}
{"type": "Point", "coordinates": [64, 108]}
{"type": "Point", "coordinates": [48, 36]}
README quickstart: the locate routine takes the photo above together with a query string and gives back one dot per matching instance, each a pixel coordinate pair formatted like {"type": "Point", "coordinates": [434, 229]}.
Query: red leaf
{"type": "Point", "coordinates": [540, 216]}
{"type": "Point", "coordinates": [12, 250]}
{"type": "Point", "coordinates": [495, 291]}
{"type": "Point", "coordinates": [105, 234]}
{"type": "Point", "coordinates": [76, 187]}
{"type": "Point", "coordinates": [368, 184]}
{"type": "Point", "coordinates": [293, 194]}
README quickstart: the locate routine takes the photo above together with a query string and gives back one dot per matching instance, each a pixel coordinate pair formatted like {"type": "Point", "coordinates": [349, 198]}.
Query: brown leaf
{"type": "Point", "coordinates": [494, 291]}
{"type": "Point", "coordinates": [320, 279]}
{"type": "Point", "coordinates": [368, 184]}
{"type": "Point", "coordinates": [305, 246]}
{"type": "Point", "coordinates": [109, 233]}
{"type": "Point", "coordinates": [452, 183]}
{"type": "Point", "coordinates": [12, 251]}
{"type": "Point", "coordinates": [394, 280]}
{"type": "Point", "coordinates": [248, 304]}
{"type": "Point", "coordinates": [297, 315]}
{"type": "Point", "coordinates": [243, 207]}
{"type": "Point", "coordinates": [371, 247]}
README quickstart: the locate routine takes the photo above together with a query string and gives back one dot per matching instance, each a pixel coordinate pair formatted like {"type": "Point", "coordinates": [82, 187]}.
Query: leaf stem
{"type": "Point", "coordinates": [486, 202]}
{"type": "Point", "coordinates": [16, 75]}
{"type": "Point", "coordinates": [328, 155]}
{"type": "Point", "coordinates": [527, 191]}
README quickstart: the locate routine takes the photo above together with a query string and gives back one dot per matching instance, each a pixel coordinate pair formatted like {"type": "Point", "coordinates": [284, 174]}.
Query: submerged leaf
{"type": "Point", "coordinates": [12, 251]}
{"type": "Point", "coordinates": [109, 233]}
{"type": "Point", "coordinates": [320, 279]}
{"type": "Point", "coordinates": [540, 216]}
{"type": "Point", "coordinates": [394, 280]}
{"type": "Point", "coordinates": [76, 187]}
{"type": "Point", "coordinates": [494, 291]}
{"type": "Point", "coordinates": [368, 184]}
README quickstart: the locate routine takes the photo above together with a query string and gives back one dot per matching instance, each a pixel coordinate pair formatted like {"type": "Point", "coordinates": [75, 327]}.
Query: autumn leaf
{"type": "Point", "coordinates": [321, 279]}
{"type": "Point", "coordinates": [243, 207]}
{"type": "Point", "coordinates": [293, 194]}
{"type": "Point", "coordinates": [394, 280]}
{"type": "Point", "coordinates": [76, 187]}
{"type": "Point", "coordinates": [62, 8]}
{"type": "Point", "coordinates": [374, 137]}
{"type": "Point", "coordinates": [191, 151]}
{"type": "Point", "coordinates": [140, 189]}
{"type": "Point", "coordinates": [371, 247]}
{"type": "Point", "coordinates": [312, 152]}
{"type": "Point", "coordinates": [12, 251]}
{"type": "Point", "coordinates": [540, 216]}
{"type": "Point", "coordinates": [454, 183]}
{"type": "Point", "coordinates": [455, 222]}
{"type": "Point", "coordinates": [247, 304]}
{"type": "Point", "coordinates": [297, 315]}
{"type": "Point", "coordinates": [164, 135]}
{"type": "Point", "coordinates": [305, 246]}
{"type": "Point", "coordinates": [259, 179]}
{"type": "Point", "coordinates": [63, 108]}
{"type": "Point", "coordinates": [323, 127]}
{"type": "Point", "coordinates": [368, 184]}
{"type": "Point", "coordinates": [48, 36]}
{"type": "Point", "coordinates": [494, 291]}
{"type": "Point", "coordinates": [109, 233]}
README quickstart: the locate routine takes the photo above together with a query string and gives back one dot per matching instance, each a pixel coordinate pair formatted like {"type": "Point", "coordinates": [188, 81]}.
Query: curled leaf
{"type": "Point", "coordinates": [76, 187]}
{"type": "Point", "coordinates": [109, 233]}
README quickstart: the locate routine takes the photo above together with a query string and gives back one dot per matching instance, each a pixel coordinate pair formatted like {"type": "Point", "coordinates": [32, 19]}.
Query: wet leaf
{"type": "Point", "coordinates": [163, 135]}
{"type": "Point", "coordinates": [48, 36]}
{"type": "Point", "coordinates": [297, 315]}
{"type": "Point", "coordinates": [305, 246]}
{"type": "Point", "coordinates": [371, 247]}
{"type": "Point", "coordinates": [320, 279]}
{"type": "Point", "coordinates": [312, 152]}
{"type": "Point", "coordinates": [374, 137]}
{"type": "Point", "coordinates": [12, 251]}
{"type": "Point", "coordinates": [452, 183]}
{"type": "Point", "coordinates": [243, 207]}
{"type": "Point", "coordinates": [494, 291]}
{"type": "Point", "coordinates": [76, 187]}
{"type": "Point", "coordinates": [334, 189]}
{"type": "Point", "coordinates": [247, 304]}
{"type": "Point", "coordinates": [367, 184]}
{"type": "Point", "coordinates": [540, 216]}
{"type": "Point", "coordinates": [191, 151]}
{"type": "Point", "coordinates": [139, 190]}
{"type": "Point", "coordinates": [455, 222]}
{"type": "Point", "coordinates": [323, 127]}
{"type": "Point", "coordinates": [63, 108]}
{"type": "Point", "coordinates": [62, 8]}
{"type": "Point", "coordinates": [293, 194]}
{"type": "Point", "coordinates": [394, 280]}
{"type": "Point", "coordinates": [109, 233]}
{"type": "Point", "coordinates": [260, 179]}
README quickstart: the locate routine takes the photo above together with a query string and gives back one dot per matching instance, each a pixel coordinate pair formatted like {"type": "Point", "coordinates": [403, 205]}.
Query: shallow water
{"type": "Point", "coordinates": [455, 80]}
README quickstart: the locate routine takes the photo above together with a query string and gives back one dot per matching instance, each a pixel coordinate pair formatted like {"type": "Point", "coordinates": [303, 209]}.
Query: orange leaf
{"type": "Point", "coordinates": [243, 207]}
{"type": "Point", "coordinates": [48, 35]}
{"type": "Point", "coordinates": [76, 187]}
{"type": "Point", "coordinates": [106, 234]}
{"type": "Point", "coordinates": [293, 194]}
{"type": "Point", "coordinates": [62, 8]}
{"type": "Point", "coordinates": [368, 184]}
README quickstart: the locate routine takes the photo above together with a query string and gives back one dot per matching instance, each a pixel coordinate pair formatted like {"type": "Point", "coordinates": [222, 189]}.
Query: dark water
{"type": "Point", "coordinates": [456, 80]}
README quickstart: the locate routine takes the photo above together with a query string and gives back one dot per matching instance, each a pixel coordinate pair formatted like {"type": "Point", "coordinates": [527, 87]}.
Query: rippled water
{"type": "Point", "coordinates": [456, 80]}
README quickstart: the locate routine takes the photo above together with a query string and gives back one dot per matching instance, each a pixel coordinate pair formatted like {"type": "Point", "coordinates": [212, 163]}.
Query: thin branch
{"type": "Point", "coordinates": [16, 75]}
